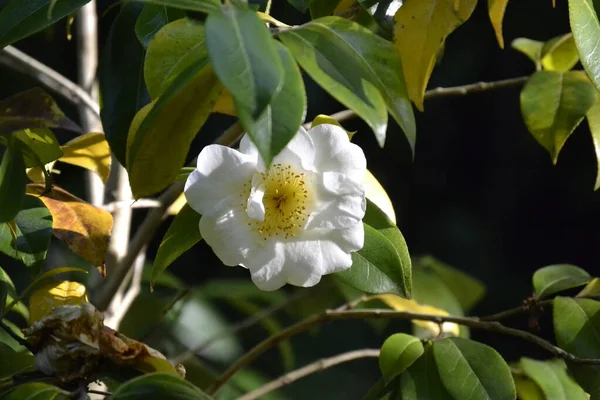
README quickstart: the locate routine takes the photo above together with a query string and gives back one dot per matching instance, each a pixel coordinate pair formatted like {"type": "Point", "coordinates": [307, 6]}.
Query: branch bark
{"type": "Point", "coordinates": [312, 368]}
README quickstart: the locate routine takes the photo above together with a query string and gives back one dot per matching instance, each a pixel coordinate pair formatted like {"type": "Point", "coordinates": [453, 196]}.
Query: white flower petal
{"type": "Point", "coordinates": [336, 153]}
{"type": "Point", "coordinates": [220, 171]}
{"type": "Point", "coordinates": [349, 239]}
{"type": "Point", "coordinates": [299, 152]}
{"type": "Point", "coordinates": [340, 202]}
{"type": "Point", "coordinates": [249, 149]}
{"type": "Point", "coordinates": [266, 266]}
{"type": "Point", "coordinates": [256, 208]}
{"type": "Point", "coordinates": [225, 229]}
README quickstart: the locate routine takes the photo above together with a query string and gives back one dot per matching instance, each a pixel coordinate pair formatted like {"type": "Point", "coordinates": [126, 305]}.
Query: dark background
{"type": "Point", "coordinates": [480, 194]}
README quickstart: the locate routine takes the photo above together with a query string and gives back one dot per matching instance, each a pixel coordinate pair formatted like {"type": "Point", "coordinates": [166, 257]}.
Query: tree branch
{"type": "Point", "coordinates": [526, 307]}
{"type": "Point", "coordinates": [334, 315]}
{"type": "Point", "coordinates": [316, 366]}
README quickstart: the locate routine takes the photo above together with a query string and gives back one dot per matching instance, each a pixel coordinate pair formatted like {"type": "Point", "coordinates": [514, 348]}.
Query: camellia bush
{"type": "Point", "coordinates": [289, 200]}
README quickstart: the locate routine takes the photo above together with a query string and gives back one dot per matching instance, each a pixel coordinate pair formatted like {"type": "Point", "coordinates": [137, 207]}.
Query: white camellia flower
{"type": "Point", "coordinates": [293, 223]}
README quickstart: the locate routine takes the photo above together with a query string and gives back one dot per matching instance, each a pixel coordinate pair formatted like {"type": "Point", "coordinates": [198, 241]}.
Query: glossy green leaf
{"type": "Point", "coordinates": [182, 234]}
{"type": "Point", "coordinates": [577, 330]}
{"type": "Point", "coordinates": [553, 379]}
{"type": "Point", "coordinates": [593, 119]}
{"type": "Point", "coordinates": [33, 108]}
{"type": "Point", "coordinates": [471, 370]}
{"type": "Point", "coordinates": [466, 289]}
{"type": "Point", "coordinates": [246, 60]}
{"type": "Point", "coordinates": [167, 126]}
{"type": "Point", "coordinates": [174, 48]}
{"type": "Point", "coordinates": [37, 391]}
{"type": "Point", "coordinates": [38, 281]}
{"type": "Point", "coordinates": [20, 19]}
{"type": "Point", "coordinates": [8, 293]}
{"type": "Point", "coordinates": [152, 18]}
{"type": "Point", "coordinates": [376, 268]}
{"type": "Point", "coordinates": [12, 183]}
{"type": "Point", "coordinates": [592, 289]}
{"type": "Point", "coordinates": [344, 73]}
{"type": "Point", "coordinates": [421, 381]}
{"type": "Point", "coordinates": [586, 32]}
{"type": "Point", "coordinates": [121, 80]}
{"type": "Point", "coordinates": [531, 48]}
{"type": "Point", "coordinates": [553, 104]}
{"type": "Point", "coordinates": [159, 386]}
{"type": "Point", "coordinates": [18, 360]}
{"type": "Point", "coordinates": [556, 278]}
{"type": "Point", "coordinates": [205, 6]}
{"type": "Point", "coordinates": [560, 53]}
{"type": "Point", "coordinates": [281, 120]}
{"type": "Point", "coordinates": [377, 219]}
{"type": "Point", "coordinates": [398, 352]}
{"type": "Point", "coordinates": [33, 229]}
{"type": "Point", "coordinates": [39, 146]}
{"type": "Point", "coordinates": [300, 5]}
{"type": "Point", "coordinates": [385, 67]}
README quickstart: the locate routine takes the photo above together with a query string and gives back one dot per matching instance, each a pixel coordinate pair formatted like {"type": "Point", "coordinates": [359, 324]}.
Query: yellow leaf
{"type": "Point", "coordinates": [528, 389]}
{"type": "Point", "coordinates": [401, 304]}
{"type": "Point", "coordinates": [177, 205]}
{"type": "Point", "coordinates": [89, 151]}
{"type": "Point", "coordinates": [344, 6]}
{"type": "Point", "coordinates": [377, 194]}
{"type": "Point", "coordinates": [421, 28]}
{"type": "Point", "coordinates": [271, 20]}
{"type": "Point", "coordinates": [84, 228]}
{"type": "Point", "coordinates": [496, 10]}
{"type": "Point", "coordinates": [326, 119]}
{"type": "Point", "coordinates": [55, 294]}
{"type": "Point", "coordinates": [224, 104]}
{"type": "Point", "coordinates": [592, 289]}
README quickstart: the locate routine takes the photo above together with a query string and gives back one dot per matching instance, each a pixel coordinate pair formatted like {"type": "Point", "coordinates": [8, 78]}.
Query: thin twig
{"type": "Point", "coordinates": [526, 307]}
{"type": "Point", "coordinates": [333, 315]}
{"type": "Point", "coordinates": [309, 369]}
{"type": "Point", "coordinates": [99, 392]}
{"type": "Point", "coordinates": [16, 60]}
{"type": "Point", "coordinates": [240, 326]}
{"type": "Point", "coordinates": [140, 203]}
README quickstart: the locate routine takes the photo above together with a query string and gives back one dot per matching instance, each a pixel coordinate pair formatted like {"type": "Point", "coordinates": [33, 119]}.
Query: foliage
{"type": "Point", "coordinates": [166, 68]}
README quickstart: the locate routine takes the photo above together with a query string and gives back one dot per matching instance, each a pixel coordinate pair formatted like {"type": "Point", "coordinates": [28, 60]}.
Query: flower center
{"type": "Point", "coordinates": [286, 201]}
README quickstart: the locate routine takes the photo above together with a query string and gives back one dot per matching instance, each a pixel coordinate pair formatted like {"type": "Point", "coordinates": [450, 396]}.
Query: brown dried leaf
{"type": "Point", "coordinates": [84, 228]}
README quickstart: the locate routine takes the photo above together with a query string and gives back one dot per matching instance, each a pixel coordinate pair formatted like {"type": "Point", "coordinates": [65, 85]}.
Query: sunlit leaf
{"type": "Point", "coordinates": [421, 29]}
{"type": "Point", "coordinates": [528, 389]}
{"type": "Point", "coordinates": [553, 379]}
{"type": "Point", "coordinates": [55, 294]}
{"type": "Point", "coordinates": [586, 32]}
{"type": "Point", "coordinates": [560, 54]}
{"type": "Point", "coordinates": [84, 228]}
{"type": "Point", "coordinates": [553, 104]}
{"type": "Point", "coordinates": [593, 119]}
{"type": "Point", "coordinates": [152, 18]}
{"type": "Point", "coordinates": [531, 48]}
{"type": "Point", "coordinates": [398, 352]}
{"type": "Point", "coordinates": [496, 9]}
{"type": "Point", "coordinates": [33, 108]}
{"type": "Point", "coordinates": [556, 278]}
{"type": "Point", "coordinates": [592, 289]}
{"type": "Point", "coordinates": [90, 151]}
{"type": "Point", "coordinates": [38, 145]}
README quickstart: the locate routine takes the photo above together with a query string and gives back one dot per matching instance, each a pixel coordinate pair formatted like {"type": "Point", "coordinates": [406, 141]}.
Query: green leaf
{"type": "Point", "coordinates": [553, 379]}
{"type": "Point", "coordinates": [398, 352]}
{"type": "Point", "coordinates": [246, 60]}
{"type": "Point", "coordinates": [586, 32]}
{"type": "Point", "coordinates": [376, 268]}
{"type": "Point", "coordinates": [33, 108]}
{"type": "Point", "coordinates": [175, 48]}
{"type": "Point", "coordinates": [158, 386]}
{"type": "Point", "coordinates": [5, 286]}
{"type": "Point", "coordinates": [205, 6]}
{"type": "Point", "coordinates": [560, 53]}
{"type": "Point", "coordinates": [421, 381]}
{"type": "Point", "coordinates": [182, 234]}
{"type": "Point", "coordinates": [593, 119]}
{"type": "Point", "coordinates": [335, 65]}
{"type": "Point", "coordinates": [531, 48]}
{"type": "Point", "coordinates": [12, 183]}
{"type": "Point", "coordinates": [377, 219]}
{"type": "Point", "coordinates": [385, 67]}
{"type": "Point", "coordinates": [466, 289]}
{"type": "Point", "coordinates": [18, 360]}
{"type": "Point", "coordinates": [527, 389]}
{"type": "Point", "coordinates": [121, 80]}
{"type": "Point", "coordinates": [280, 121]}
{"type": "Point", "coordinates": [556, 278]}
{"type": "Point", "coordinates": [38, 281]}
{"type": "Point", "coordinates": [33, 228]}
{"type": "Point", "coordinates": [39, 146]}
{"type": "Point", "coordinates": [20, 19]}
{"type": "Point", "coordinates": [167, 126]}
{"type": "Point", "coordinates": [300, 5]}
{"type": "Point", "coordinates": [152, 18]}
{"type": "Point", "coordinates": [577, 330]}
{"type": "Point", "coordinates": [37, 391]}
{"type": "Point", "coordinates": [553, 104]}
{"type": "Point", "coordinates": [471, 370]}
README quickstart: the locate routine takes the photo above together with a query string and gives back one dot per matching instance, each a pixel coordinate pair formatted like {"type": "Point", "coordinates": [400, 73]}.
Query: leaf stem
{"type": "Point", "coordinates": [335, 315]}
{"type": "Point", "coordinates": [317, 366]}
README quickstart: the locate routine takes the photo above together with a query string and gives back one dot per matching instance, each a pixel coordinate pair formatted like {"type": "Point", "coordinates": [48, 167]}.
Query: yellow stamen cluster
{"type": "Point", "coordinates": [286, 201]}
